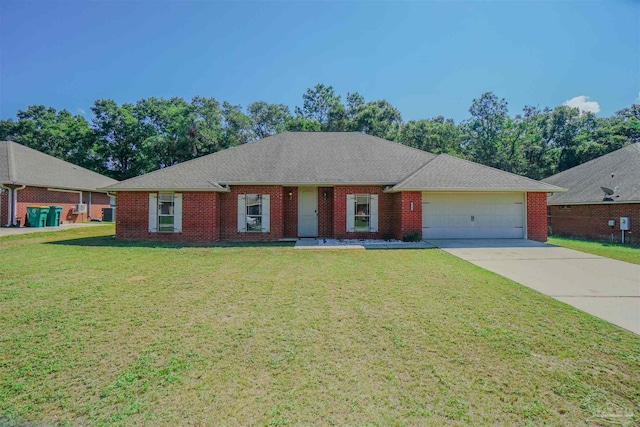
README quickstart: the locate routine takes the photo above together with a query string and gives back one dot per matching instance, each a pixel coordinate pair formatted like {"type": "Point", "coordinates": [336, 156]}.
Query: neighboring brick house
{"type": "Point", "coordinates": [586, 210]}
{"type": "Point", "coordinates": [329, 184]}
{"type": "Point", "coordinates": [31, 178]}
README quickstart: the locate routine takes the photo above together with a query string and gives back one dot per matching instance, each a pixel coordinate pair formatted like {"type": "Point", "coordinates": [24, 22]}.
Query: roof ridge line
{"type": "Point", "coordinates": [400, 143]}
{"type": "Point", "coordinates": [412, 174]}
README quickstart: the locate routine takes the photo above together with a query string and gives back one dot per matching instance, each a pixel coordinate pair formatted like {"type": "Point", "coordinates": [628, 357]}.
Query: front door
{"type": "Point", "coordinates": [307, 212]}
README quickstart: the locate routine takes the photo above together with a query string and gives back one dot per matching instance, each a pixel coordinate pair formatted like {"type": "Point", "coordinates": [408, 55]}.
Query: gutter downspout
{"type": "Point", "coordinates": [89, 207]}
{"type": "Point", "coordinates": [9, 204]}
{"type": "Point", "coordinates": [78, 192]}
{"type": "Point", "coordinates": [15, 204]}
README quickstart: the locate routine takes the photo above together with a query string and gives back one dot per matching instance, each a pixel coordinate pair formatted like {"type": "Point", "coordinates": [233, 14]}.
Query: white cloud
{"type": "Point", "coordinates": [81, 111]}
{"type": "Point", "coordinates": [583, 104]}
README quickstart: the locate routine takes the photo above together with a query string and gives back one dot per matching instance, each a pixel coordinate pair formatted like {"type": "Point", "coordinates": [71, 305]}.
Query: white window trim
{"type": "Point", "coordinates": [357, 215]}
{"type": "Point", "coordinates": [265, 200]}
{"type": "Point", "coordinates": [172, 215]}
{"type": "Point", "coordinates": [154, 213]}
{"type": "Point", "coordinates": [247, 215]}
{"type": "Point", "coordinates": [372, 215]}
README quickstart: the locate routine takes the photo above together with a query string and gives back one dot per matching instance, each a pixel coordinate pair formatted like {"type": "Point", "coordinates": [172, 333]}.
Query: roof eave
{"type": "Point", "coordinates": [54, 187]}
{"type": "Point", "coordinates": [315, 183]}
{"type": "Point", "coordinates": [599, 202]}
{"type": "Point", "coordinates": [172, 189]}
{"type": "Point", "coordinates": [476, 190]}
{"type": "Point", "coordinates": [225, 189]}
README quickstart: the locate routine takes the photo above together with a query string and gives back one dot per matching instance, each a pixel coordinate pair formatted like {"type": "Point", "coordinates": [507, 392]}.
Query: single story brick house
{"type": "Point", "coordinates": [329, 184]}
{"type": "Point", "coordinates": [587, 210]}
{"type": "Point", "coordinates": [31, 178]}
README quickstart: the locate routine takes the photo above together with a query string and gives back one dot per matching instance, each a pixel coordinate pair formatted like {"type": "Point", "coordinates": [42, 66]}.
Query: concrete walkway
{"type": "Point", "coordinates": [11, 231]}
{"type": "Point", "coordinates": [603, 287]}
{"type": "Point", "coordinates": [312, 243]}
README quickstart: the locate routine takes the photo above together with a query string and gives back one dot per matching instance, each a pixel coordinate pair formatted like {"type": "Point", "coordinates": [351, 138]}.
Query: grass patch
{"type": "Point", "coordinates": [97, 331]}
{"type": "Point", "coordinates": [617, 251]}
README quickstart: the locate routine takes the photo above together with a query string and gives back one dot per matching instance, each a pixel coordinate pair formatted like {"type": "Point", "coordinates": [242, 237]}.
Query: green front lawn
{"type": "Point", "coordinates": [96, 331]}
{"type": "Point", "coordinates": [617, 251]}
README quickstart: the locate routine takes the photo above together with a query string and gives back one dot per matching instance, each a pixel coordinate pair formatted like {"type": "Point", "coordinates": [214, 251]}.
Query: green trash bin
{"type": "Point", "coordinates": [37, 215]}
{"type": "Point", "coordinates": [53, 218]}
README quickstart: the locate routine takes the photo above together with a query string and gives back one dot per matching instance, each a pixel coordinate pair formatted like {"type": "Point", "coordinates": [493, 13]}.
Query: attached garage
{"type": "Point", "coordinates": [476, 215]}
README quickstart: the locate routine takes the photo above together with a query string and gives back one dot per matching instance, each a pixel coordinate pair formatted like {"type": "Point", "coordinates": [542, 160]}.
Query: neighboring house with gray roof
{"type": "Point", "coordinates": [329, 184]}
{"type": "Point", "coordinates": [31, 178]}
{"type": "Point", "coordinates": [600, 192]}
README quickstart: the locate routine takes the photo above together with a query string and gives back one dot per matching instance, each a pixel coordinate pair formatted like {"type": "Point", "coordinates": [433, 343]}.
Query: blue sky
{"type": "Point", "coordinates": [426, 58]}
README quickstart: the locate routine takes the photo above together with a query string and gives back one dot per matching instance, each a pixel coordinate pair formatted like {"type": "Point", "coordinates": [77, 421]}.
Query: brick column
{"type": "Point", "coordinates": [407, 220]}
{"type": "Point", "coordinates": [537, 216]}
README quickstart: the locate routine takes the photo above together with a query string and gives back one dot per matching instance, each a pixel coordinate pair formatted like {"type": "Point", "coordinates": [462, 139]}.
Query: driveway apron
{"type": "Point", "coordinates": [603, 287]}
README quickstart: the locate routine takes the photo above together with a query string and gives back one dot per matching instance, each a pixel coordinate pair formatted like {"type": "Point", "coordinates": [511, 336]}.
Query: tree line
{"type": "Point", "coordinates": [126, 140]}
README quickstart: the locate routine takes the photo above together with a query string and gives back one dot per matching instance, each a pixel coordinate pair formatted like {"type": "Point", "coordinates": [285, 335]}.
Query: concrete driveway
{"type": "Point", "coordinates": [603, 287]}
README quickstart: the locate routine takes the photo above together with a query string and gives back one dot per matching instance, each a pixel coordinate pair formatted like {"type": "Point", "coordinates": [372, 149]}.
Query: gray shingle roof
{"type": "Point", "coordinates": [584, 181]}
{"type": "Point", "coordinates": [451, 173]}
{"type": "Point", "coordinates": [292, 158]}
{"type": "Point", "coordinates": [26, 166]}
{"type": "Point", "coordinates": [331, 158]}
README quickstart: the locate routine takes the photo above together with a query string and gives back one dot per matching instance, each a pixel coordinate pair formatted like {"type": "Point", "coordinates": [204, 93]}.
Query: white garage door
{"type": "Point", "coordinates": [473, 215]}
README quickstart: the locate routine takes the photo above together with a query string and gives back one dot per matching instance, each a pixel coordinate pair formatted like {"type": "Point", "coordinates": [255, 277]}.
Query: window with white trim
{"type": "Point", "coordinates": [362, 213]}
{"type": "Point", "coordinates": [166, 210]}
{"type": "Point", "coordinates": [253, 213]}
{"type": "Point", "coordinates": [362, 209]}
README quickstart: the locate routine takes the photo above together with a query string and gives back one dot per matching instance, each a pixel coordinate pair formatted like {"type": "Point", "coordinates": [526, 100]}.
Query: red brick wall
{"type": "Point", "coordinates": [537, 216]}
{"type": "Point", "coordinates": [290, 215]}
{"type": "Point", "coordinates": [4, 199]}
{"type": "Point", "coordinates": [591, 221]}
{"type": "Point", "coordinates": [210, 217]}
{"type": "Point", "coordinates": [406, 220]}
{"type": "Point", "coordinates": [385, 212]}
{"type": "Point", "coordinates": [229, 213]}
{"type": "Point", "coordinates": [325, 212]}
{"type": "Point", "coordinates": [39, 196]}
{"type": "Point", "coordinates": [200, 220]}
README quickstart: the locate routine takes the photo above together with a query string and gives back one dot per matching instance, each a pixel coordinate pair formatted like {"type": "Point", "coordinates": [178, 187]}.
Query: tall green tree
{"type": "Point", "coordinates": [208, 126]}
{"type": "Point", "coordinates": [298, 123]}
{"type": "Point", "coordinates": [236, 129]}
{"type": "Point", "coordinates": [437, 135]}
{"type": "Point", "coordinates": [562, 131]}
{"type": "Point", "coordinates": [354, 101]}
{"type": "Point", "coordinates": [539, 156]}
{"type": "Point", "coordinates": [626, 123]}
{"type": "Point", "coordinates": [377, 118]}
{"type": "Point", "coordinates": [120, 138]}
{"type": "Point", "coordinates": [170, 128]}
{"type": "Point", "coordinates": [323, 105]}
{"type": "Point", "coordinates": [267, 119]}
{"type": "Point", "coordinates": [57, 133]}
{"type": "Point", "coordinates": [484, 129]}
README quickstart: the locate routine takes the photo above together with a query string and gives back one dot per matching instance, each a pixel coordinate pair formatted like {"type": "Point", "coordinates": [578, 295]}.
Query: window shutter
{"type": "Point", "coordinates": [242, 212]}
{"type": "Point", "coordinates": [351, 213]}
{"type": "Point", "coordinates": [373, 214]}
{"type": "Point", "coordinates": [266, 213]}
{"type": "Point", "coordinates": [153, 212]}
{"type": "Point", "coordinates": [177, 213]}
